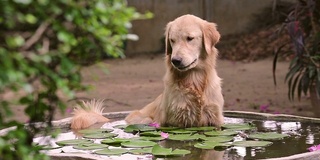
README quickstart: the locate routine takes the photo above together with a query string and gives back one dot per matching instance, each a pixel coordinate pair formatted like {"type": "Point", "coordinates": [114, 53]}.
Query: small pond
{"type": "Point", "coordinates": [302, 134]}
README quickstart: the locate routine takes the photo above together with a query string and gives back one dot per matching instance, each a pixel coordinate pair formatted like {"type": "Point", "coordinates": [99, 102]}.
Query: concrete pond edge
{"type": "Point", "coordinates": [65, 123]}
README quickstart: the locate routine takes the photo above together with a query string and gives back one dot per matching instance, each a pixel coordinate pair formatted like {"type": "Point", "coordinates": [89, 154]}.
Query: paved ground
{"type": "Point", "coordinates": [133, 82]}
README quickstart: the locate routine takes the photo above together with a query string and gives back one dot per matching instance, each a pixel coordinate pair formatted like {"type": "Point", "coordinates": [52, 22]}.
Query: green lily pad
{"type": "Point", "coordinates": [141, 151]}
{"type": "Point", "coordinates": [268, 136]}
{"type": "Point", "coordinates": [239, 126]}
{"type": "Point", "coordinates": [210, 145]}
{"type": "Point", "coordinates": [151, 134]}
{"type": "Point", "coordinates": [205, 146]}
{"type": "Point", "coordinates": [121, 126]}
{"type": "Point", "coordinates": [252, 143]}
{"type": "Point", "coordinates": [208, 128]}
{"type": "Point", "coordinates": [138, 128]}
{"type": "Point", "coordinates": [109, 152]}
{"type": "Point", "coordinates": [185, 137]}
{"type": "Point", "coordinates": [218, 139]}
{"type": "Point", "coordinates": [138, 144]}
{"type": "Point", "coordinates": [181, 131]}
{"type": "Point", "coordinates": [91, 146]}
{"type": "Point", "coordinates": [112, 141]}
{"type": "Point", "coordinates": [167, 128]}
{"type": "Point", "coordinates": [178, 152]}
{"type": "Point", "coordinates": [47, 147]}
{"type": "Point", "coordinates": [150, 138]}
{"type": "Point", "coordinates": [157, 150]}
{"type": "Point", "coordinates": [92, 131]}
{"type": "Point", "coordinates": [220, 133]}
{"type": "Point", "coordinates": [99, 135]}
{"type": "Point", "coordinates": [72, 142]}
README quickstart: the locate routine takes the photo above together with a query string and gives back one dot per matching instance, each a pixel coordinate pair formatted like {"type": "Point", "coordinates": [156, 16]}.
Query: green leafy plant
{"type": "Point", "coordinates": [73, 142]}
{"type": "Point", "coordinates": [157, 150]}
{"type": "Point", "coordinates": [99, 135]}
{"type": "Point", "coordinates": [91, 146]}
{"type": "Point", "coordinates": [139, 151]}
{"type": "Point", "coordinates": [114, 141]}
{"type": "Point", "coordinates": [268, 136]}
{"type": "Point", "coordinates": [43, 45]}
{"type": "Point", "coordinates": [303, 27]}
{"type": "Point", "coordinates": [138, 144]}
{"type": "Point", "coordinates": [252, 143]}
{"type": "Point", "coordinates": [210, 145]}
{"type": "Point", "coordinates": [111, 152]}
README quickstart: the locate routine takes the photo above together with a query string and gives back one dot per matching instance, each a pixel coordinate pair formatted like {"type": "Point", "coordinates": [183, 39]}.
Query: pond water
{"type": "Point", "coordinates": [302, 136]}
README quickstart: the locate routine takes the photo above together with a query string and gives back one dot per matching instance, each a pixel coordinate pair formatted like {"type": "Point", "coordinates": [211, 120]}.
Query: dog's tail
{"type": "Point", "coordinates": [88, 114]}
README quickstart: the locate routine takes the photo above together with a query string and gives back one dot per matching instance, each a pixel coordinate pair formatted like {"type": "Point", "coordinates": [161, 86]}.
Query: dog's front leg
{"type": "Point", "coordinates": [147, 114]}
{"type": "Point", "coordinates": [212, 115]}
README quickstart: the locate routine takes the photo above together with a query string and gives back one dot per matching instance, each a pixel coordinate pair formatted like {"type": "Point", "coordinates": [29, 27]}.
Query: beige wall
{"type": "Point", "coordinates": [232, 16]}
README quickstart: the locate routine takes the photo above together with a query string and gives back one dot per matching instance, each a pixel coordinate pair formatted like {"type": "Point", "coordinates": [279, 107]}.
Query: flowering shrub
{"type": "Point", "coordinates": [43, 44]}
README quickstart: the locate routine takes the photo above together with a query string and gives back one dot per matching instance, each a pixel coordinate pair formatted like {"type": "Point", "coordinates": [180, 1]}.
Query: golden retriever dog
{"type": "Point", "coordinates": [192, 89]}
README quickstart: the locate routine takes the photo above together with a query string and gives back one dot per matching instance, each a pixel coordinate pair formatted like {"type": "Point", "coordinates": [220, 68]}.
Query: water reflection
{"type": "Point", "coordinates": [310, 139]}
{"type": "Point", "coordinates": [233, 120]}
{"type": "Point", "coordinates": [289, 126]}
{"type": "Point", "coordinates": [283, 127]}
{"type": "Point", "coordinates": [241, 151]}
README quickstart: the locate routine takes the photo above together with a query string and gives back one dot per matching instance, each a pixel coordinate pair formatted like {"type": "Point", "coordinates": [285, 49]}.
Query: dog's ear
{"type": "Point", "coordinates": [167, 41]}
{"type": "Point", "coordinates": [210, 36]}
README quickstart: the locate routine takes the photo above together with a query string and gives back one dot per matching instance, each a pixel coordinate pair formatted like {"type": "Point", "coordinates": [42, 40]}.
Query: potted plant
{"type": "Point", "coordinates": [303, 26]}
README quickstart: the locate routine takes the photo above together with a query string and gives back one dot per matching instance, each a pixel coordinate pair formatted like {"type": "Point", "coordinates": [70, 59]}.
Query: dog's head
{"type": "Point", "coordinates": [188, 38]}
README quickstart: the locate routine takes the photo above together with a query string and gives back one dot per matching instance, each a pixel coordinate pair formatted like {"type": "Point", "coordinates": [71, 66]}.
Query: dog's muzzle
{"type": "Point", "coordinates": [177, 63]}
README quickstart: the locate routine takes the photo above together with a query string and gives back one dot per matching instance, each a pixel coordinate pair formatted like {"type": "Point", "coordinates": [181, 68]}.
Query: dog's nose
{"type": "Point", "coordinates": [176, 61]}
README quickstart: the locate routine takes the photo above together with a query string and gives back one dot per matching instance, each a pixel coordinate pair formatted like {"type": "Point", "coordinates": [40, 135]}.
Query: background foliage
{"type": "Point", "coordinates": [303, 26]}
{"type": "Point", "coordinates": [43, 45]}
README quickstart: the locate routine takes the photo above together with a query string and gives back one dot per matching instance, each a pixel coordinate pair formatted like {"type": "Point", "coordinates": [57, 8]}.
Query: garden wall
{"type": "Point", "coordinates": [232, 16]}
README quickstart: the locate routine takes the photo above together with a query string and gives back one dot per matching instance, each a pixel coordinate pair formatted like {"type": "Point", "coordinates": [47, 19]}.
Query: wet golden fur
{"type": "Point", "coordinates": [192, 94]}
{"type": "Point", "coordinates": [87, 114]}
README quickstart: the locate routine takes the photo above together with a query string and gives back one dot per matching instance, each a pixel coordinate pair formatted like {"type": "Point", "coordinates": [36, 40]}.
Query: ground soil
{"type": "Point", "coordinates": [131, 83]}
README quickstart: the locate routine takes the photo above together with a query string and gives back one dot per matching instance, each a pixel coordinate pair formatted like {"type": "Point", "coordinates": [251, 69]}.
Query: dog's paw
{"type": "Point", "coordinates": [136, 117]}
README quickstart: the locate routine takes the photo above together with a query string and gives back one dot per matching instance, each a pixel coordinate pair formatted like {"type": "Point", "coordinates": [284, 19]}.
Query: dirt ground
{"type": "Point", "coordinates": [132, 83]}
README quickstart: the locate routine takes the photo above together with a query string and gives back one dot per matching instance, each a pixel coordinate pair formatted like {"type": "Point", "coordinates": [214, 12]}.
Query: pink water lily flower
{"type": "Point", "coordinates": [154, 124]}
{"type": "Point", "coordinates": [314, 148]}
{"type": "Point", "coordinates": [164, 135]}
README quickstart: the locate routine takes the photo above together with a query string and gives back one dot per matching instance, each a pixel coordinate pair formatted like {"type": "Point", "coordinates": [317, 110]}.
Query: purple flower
{"type": "Point", "coordinates": [164, 135]}
{"type": "Point", "coordinates": [154, 124]}
{"type": "Point", "coordinates": [69, 110]}
{"type": "Point", "coordinates": [276, 112]}
{"type": "Point", "coordinates": [314, 148]}
{"type": "Point", "coordinates": [264, 108]}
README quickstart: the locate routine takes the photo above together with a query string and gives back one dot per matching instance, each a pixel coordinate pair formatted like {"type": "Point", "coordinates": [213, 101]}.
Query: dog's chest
{"type": "Point", "coordinates": [184, 108]}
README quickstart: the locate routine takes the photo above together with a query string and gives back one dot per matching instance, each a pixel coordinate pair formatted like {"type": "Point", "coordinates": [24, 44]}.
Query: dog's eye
{"type": "Point", "coordinates": [190, 38]}
{"type": "Point", "coordinates": [172, 41]}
